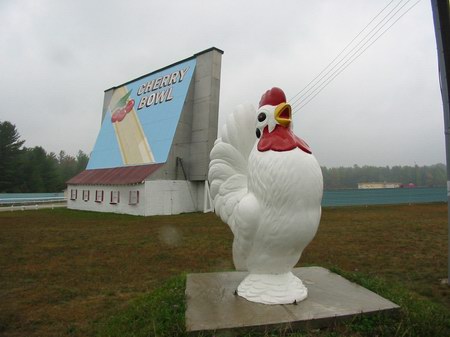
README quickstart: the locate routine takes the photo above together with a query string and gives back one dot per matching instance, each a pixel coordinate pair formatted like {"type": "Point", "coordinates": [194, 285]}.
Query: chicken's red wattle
{"type": "Point", "coordinates": [281, 139]}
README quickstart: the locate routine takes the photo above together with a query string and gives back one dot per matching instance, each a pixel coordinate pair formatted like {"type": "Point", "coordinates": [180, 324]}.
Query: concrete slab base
{"type": "Point", "coordinates": [213, 305]}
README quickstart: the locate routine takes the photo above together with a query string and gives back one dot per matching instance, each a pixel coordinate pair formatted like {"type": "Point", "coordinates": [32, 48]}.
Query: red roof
{"type": "Point", "coordinates": [114, 176]}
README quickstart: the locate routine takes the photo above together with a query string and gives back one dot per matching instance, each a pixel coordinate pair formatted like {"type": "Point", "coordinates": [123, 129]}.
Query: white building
{"type": "Point", "coordinates": [152, 153]}
{"type": "Point", "coordinates": [373, 185]}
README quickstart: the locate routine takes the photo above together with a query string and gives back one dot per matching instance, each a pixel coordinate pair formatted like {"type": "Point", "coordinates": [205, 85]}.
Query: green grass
{"type": "Point", "coordinates": [78, 274]}
{"type": "Point", "coordinates": [160, 313]}
{"type": "Point", "coordinates": [417, 316]}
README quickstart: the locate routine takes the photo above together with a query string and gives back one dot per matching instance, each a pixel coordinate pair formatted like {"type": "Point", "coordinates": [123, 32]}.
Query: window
{"type": "Point", "coordinates": [73, 194]}
{"type": "Point", "coordinates": [99, 195]}
{"type": "Point", "coordinates": [134, 197]}
{"type": "Point", "coordinates": [115, 197]}
{"type": "Point", "coordinates": [86, 195]}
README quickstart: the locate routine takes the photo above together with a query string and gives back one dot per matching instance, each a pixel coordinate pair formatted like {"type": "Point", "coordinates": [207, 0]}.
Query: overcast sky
{"type": "Point", "coordinates": [58, 56]}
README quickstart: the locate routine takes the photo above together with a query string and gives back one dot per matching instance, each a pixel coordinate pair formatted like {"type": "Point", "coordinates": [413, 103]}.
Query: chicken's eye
{"type": "Point", "coordinates": [258, 133]}
{"type": "Point", "coordinates": [261, 116]}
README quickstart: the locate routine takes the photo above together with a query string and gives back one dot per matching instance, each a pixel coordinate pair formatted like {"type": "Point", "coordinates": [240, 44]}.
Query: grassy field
{"type": "Point", "coordinates": [67, 273]}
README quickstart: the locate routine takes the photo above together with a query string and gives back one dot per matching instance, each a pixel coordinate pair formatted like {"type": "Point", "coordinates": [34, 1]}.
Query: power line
{"type": "Point", "coordinates": [339, 71]}
{"type": "Point", "coordinates": [320, 85]}
{"type": "Point", "coordinates": [293, 100]}
{"type": "Point", "coordinates": [352, 57]}
{"type": "Point", "coordinates": [365, 39]}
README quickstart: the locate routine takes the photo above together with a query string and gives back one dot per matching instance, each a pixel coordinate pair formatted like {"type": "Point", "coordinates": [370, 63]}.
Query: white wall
{"type": "Point", "coordinates": [156, 197]}
{"type": "Point", "coordinates": [105, 206]}
{"type": "Point", "coordinates": [164, 197]}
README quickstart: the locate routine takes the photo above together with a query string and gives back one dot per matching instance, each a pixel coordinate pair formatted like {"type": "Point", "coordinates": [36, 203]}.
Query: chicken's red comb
{"type": "Point", "coordinates": [273, 96]}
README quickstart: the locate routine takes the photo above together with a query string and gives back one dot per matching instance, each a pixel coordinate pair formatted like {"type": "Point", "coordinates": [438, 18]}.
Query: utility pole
{"type": "Point", "coordinates": [441, 17]}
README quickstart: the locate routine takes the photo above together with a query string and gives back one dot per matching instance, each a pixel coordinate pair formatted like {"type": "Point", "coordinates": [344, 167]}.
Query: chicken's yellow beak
{"type": "Point", "coordinates": [283, 114]}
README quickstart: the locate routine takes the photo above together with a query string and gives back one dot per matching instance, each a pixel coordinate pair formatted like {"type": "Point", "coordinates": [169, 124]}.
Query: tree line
{"type": "Point", "coordinates": [349, 177]}
{"type": "Point", "coordinates": [27, 170]}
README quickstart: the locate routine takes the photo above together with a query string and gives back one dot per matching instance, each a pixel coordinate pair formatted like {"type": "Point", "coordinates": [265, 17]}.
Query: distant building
{"type": "Point", "coordinates": [410, 185]}
{"type": "Point", "coordinates": [151, 156]}
{"type": "Point", "coordinates": [378, 185]}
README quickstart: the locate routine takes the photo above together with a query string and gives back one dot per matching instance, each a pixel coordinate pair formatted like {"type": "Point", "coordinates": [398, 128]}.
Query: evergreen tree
{"type": "Point", "coordinates": [10, 152]}
{"type": "Point", "coordinates": [29, 170]}
{"type": "Point", "coordinates": [67, 167]}
{"type": "Point", "coordinates": [82, 161]}
{"type": "Point", "coordinates": [50, 173]}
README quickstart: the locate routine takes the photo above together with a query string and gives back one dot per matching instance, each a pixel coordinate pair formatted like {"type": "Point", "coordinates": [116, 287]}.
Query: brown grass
{"type": "Point", "coordinates": [61, 270]}
{"type": "Point", "coordinates": [406, 244]}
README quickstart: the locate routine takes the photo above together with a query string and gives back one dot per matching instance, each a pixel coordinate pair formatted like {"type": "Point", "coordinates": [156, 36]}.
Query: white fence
{"type": "Point", "coordinates": [28, 203]}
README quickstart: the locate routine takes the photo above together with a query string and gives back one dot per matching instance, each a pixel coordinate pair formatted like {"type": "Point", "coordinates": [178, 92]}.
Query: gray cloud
{"type": "Point", "coordinates": [58, 57]}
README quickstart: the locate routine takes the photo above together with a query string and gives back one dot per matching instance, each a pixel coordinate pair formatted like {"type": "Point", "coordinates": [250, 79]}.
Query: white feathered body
{"type": "Point", "coordinates": [271, 200]}
{"type": "Point", "coordinates": [288, 188]}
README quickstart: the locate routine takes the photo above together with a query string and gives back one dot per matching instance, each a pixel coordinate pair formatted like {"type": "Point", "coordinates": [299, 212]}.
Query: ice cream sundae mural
{"type": "Point", "coordinates": [133, 144]}
{"type": "Point", "coordinates": [141, 119]}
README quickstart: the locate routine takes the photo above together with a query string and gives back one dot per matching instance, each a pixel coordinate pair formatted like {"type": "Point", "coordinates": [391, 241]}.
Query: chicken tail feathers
{"type": "Point", "coordinates": [229, 160]}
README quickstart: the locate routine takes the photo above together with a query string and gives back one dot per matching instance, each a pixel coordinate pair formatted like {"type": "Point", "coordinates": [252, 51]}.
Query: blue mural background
{"type": "Point", "coordinates": [159, 122]}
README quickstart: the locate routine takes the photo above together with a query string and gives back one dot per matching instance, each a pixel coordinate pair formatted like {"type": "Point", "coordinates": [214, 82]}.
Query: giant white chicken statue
{"type": "Point", "coordinates": [267, 186]}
